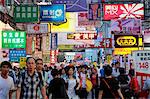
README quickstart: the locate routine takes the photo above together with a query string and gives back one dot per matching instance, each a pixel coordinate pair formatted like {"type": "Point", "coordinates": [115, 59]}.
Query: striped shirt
{"type": "Point", "coordinates": [29, 85]}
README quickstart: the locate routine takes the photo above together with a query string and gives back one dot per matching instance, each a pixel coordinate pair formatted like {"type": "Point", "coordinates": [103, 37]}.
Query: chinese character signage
{"type": "Point", "coordinates": [73, 5]}
{"type": "Point", "coordinates": [52, 13]}
{"type": "Point", "coordinates": [129, 26]}
{"type": "Point", "coordinates": [53, 56]}
{"type": "Point", "coordinates": [38, 42]}
{"type": "Point", "coordinates": [14, 55]}
{"type": "Point", "coordinates": [82, 36]}
{"type": "Point", "coordinates": [26, 13]}
{"type": "Point", "coordinates": [124, 51]}
{"type": "Point", "coordinates": [122, 41]}
{"type": "Point", "coordinates": [84, 21]}
{"type": "Point", "coordinates": [142, 61]}
{"type": "Point", "coordinates": [46, 57]}
{"type": "Point", "coordinates": [23, 62]}
{"type": "Point", "coordinates": [13, 39]}
{"type": "Point", "coordinates": [105, 43]}
{"type": "Point", "coordinates": [94, 11]}
{"type": "Point", "coordinates": [54, 40]}
{"type": "Point", "coordinates": [37, 28]}
{"type": "Point", "coordinates": [123, 11]}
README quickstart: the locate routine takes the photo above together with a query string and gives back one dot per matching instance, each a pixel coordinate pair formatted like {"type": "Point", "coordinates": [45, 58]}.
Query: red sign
{"type": "Point", "coordinates": [53, 56]}
{"type": "Point", "coordinates": [82, 36]}
{"type": "Point", "coordinates": [123, 11]}
{"type": "Point", "coordinates": [105, 43]}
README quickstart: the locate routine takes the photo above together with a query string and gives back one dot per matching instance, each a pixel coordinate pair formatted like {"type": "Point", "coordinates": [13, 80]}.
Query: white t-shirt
{"type": "Point", "coordinates": [5, 86]}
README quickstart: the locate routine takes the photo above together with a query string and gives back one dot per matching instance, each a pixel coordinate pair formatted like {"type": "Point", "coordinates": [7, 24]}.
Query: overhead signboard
{"type": "Point", "coordinates": [37, 28]}
{"type": "Point", "coordinates": [122, 41]}
{"type": "Point", "coordinates": [123, 11]}
{"type": "Point", "coordinates": [26, 13]}
{"type": "Point", "coordinates": [142, 61]}
{"type": "Point", "coordinates": [68, 26]}
{"type": "Point", "coordinates": [82, 36]}
{"type": "Point", "coordinates": [94, 11]}
{"type": "Point", "coordinates": [13, 39]}
{"type": "Point", "coordinates": [123, 51]}
{"type": "Point", "coordinates": [73, 5]}
{"type": "Point", "coordinates": [14, 55]}
{"type": "Point", "coordinates": [52, 13]}
{"type": "Point", "coordinates": [105, 43]}
{"type": "Point", "coordinates": [84, 21]}
{"type": "Point", "coordinates": [127, 26]}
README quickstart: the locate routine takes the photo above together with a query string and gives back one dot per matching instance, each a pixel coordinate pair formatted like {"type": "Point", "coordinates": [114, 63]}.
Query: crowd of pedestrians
{"type": "Point", "coordinates": [37, 81]}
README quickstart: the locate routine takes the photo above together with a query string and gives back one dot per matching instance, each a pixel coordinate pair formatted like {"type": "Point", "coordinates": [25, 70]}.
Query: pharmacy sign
{"type": "Point", "coordinates": [13, 39]}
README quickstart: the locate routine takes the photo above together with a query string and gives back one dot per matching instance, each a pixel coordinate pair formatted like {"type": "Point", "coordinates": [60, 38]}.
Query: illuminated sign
{"type": "Point", "coordinates": [142, 61]}
{"type": "Point", "coordinates": [127, 41]}
{"type": "Point", "coordinates": [105, 43]}
{"type": "Point", "coordinates": [123, 11]}
{"type": "Point", "coordinates": [123, 51]}
{"type": "Point", "coordinates": [82, 36]}
{"type": "Point", "coordinates": [53, 56]}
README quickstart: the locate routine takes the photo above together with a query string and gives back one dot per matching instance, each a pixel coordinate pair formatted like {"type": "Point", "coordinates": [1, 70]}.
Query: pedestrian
{"type": "Point", "coordinates": [73, 84]}
{"type": "Point", "coordinates": [57, 86]}
{"type": "Point", "coordinates": [6, 82]}
{"type": "Point", "coordinates": [115, 69]}
{"type": "Point", "coordinates": [29, 82]}
{"type": "Point", "coordinates": [109, 86]}
{"type": "Point", "coordinates": [42, 74]}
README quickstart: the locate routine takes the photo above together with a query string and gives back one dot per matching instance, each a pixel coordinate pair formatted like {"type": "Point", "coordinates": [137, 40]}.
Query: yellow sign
{"type": "Point", "coordinates": [22, 62]}
{"type": "Point", "coordinates": [109, 58]}
{"type": "Point", "coordinates": [123, 51]}
{"type": "Point", "coordinates": [65, 47]}
{"type": "Point", "coordinates": [69, 26]}
{"type": "Point", "coordinates": [126, 41]}
{"type": "Point", "coordinates": [46, 57]}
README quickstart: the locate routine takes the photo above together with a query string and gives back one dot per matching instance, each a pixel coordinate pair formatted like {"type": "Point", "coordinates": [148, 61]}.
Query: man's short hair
{"type": "Point", "coordinates": [29, 58]}
{"type": "Point", "coordinates": [6, 63]}
{"type": "Point", "coordinates": [108, 70]}
{"type": "Point", "coordinates": [54, 72]}
{"type": "Point", "coordinates": [39, 59]}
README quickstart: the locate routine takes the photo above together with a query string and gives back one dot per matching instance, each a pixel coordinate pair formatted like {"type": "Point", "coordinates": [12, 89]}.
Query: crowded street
{"type": "Point", "coordinates": [74, 49]}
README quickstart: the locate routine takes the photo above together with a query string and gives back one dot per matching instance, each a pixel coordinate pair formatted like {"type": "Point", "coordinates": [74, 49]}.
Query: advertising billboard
{"type": "Point", "coordinates": [124, 41]}
{"type": "Point", "coordinates": [52, 13]}
{"type": "Point", "coordinates": [13, 39]}
{"type": "Point", "coordinates": [123, 11]}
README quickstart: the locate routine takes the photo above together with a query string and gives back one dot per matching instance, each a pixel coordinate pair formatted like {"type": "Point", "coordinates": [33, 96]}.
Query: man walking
{"type": "Point", "coordinates": [29, 82]}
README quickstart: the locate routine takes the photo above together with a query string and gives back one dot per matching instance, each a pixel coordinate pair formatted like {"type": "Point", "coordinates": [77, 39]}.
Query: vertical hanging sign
{"type": "Point", "coordinates": [94, 11]}
{"type": "Point", "coordinates": [54, 41]}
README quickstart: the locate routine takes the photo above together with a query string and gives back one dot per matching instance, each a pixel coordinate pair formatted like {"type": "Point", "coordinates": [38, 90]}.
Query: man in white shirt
{"type": "Point", "coordinates": [6, 82]}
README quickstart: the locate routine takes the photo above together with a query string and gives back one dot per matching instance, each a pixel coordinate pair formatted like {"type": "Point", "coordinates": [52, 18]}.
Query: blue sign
{"type": "Point", "coordinates": [73, 5]}
{"type": "Point", "coordinates": [54, 41]}
{"type": "Point", "coordinates": [52, 13]}
{"type": "Point", "coordinates": [14, 55]}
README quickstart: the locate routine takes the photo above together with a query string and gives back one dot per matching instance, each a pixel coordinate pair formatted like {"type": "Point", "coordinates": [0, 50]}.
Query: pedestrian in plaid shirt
{"type": "Point", "coordinates": [29, 82]}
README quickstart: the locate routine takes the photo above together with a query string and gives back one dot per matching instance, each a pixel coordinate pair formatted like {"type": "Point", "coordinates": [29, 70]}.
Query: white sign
{"type": "Point", "coordinates": [37, 28]}
{"type": "Point", "coordinates": [142, 61]}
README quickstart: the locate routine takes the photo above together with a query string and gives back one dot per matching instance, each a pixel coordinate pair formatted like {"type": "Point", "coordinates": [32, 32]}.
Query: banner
{"type": "Point", "coordinates": [52, 13]}
{"type": "Point", "coordinates": [142, 61]}
{"type": "Point", "coordinates": [124, 41]}
{"type": "Point", "coordinates": [14, 55]}
{"type": "Point", "coordinates": [123, 11]}
{"type": "Point", "coordinates": [128, 26]}
{"type": "Point", "coordinates": [84, 21]}
{"type": "Point", "coordinates": [37, 28]}
{"type": "Point", "coordinates": [26, 13]}
{"type": "Point", "coordinates": [54, 41]}
{"type": "Point", "coordinates": [124, 51]}
{"type": "Point", "coordinates": [68, 26]}
{"type": "Point", "coordinates": [73, 5]}
{"type": "Point", "coordinates": [38, 43]}
{"type": "Point", "coordinates": [13, 39]}
{"type": "Point", "coordinates": [94, 11]}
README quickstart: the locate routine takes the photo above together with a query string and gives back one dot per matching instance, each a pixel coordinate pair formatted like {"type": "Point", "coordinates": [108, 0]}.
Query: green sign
{"type": "Point", "coordinates": [26, 13]}
{"type": "Point", "coordinates": [13, 39]}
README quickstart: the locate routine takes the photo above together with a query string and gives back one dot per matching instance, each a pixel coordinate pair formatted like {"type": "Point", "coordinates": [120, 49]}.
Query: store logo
{"type": "Point", "coordinates": [126, 41]}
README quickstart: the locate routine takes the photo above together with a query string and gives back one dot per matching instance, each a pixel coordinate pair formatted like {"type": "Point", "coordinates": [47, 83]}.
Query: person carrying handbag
{"type": "Point", "coordinates": [109, 86]}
